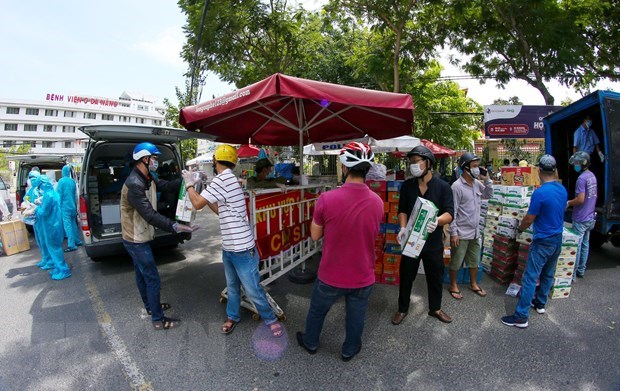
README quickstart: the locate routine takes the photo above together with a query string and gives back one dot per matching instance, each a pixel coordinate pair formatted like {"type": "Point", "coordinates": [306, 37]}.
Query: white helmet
{"type": "Point", "coordinates": [356, 153]}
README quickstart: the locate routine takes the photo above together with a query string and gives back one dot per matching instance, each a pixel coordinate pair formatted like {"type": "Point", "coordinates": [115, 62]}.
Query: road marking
{"type": "Point", "coordinates": [136, 379]}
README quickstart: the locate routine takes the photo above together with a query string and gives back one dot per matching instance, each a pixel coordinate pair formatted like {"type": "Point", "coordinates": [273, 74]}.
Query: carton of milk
{"type": "Point", "coordinates": [423, 213]}
{"type": "Point", "coordinates": [185, 210]}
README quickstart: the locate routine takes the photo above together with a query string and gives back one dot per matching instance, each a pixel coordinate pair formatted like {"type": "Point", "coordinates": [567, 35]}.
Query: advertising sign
{"type": "Point", "coordinates": [516, 121]}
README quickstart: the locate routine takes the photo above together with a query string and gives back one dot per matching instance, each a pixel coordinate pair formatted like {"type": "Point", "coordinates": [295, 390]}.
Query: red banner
{"type": "Point", "coordinates": [284, 223]}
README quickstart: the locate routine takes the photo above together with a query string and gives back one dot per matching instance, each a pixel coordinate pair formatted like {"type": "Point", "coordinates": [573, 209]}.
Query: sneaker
{"type": "Point", "coordinates": [539, 308]}
{"type": "Point", "coordinates": [514, 321]}
{"type": "Point", "coordinates": [579, 275]}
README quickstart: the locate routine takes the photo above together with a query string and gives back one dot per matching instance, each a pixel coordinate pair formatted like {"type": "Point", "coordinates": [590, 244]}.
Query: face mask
{"type": "Point", "coordinates": [588, 123]}
{"type": "Point", "coordinates": [577, 168]}
{"type": "Point", "coordinates": [271, 174]}
{"type": "Point", "coordinates": [475, 172]}
{"type": "Point", "coordinates": [153, 166]}
{"type": "Point", "coordinates": [416, 170]}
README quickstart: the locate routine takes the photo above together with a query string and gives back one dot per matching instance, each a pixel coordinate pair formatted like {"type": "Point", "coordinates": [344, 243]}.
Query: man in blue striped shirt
{"type": "Point", "coordinates": [239, 254]}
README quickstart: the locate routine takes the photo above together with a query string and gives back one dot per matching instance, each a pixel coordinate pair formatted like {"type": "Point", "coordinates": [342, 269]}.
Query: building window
{"type": "Point", "coordinates": [31, 111]}
{"type": "Point", "coordinates": [68, 144]}
{"type": "Point", "coordinates": [90, 115]}
{"type": "Point", "coordinates": [30, 128]}
{"type": "Point", "coordinates": [12, 110]}
{"type": "Point", "coordinates": [143, 108]}
{"type": "Point", "coordinates": [8, 143]}
{"type": "Point", "coordinates": [124, 118]}
{"type": "Point", "coordinates": [139, 120]}
{"type": "Point", "coordinates": [10, 126]}
{"type": "Point", "coordinates": [33, 144]}
{"type": "Point", "coordinates": [51, 113]}
{"type": "Point", "coordinates": [107, 117]}
{"type": "Point", "coordinates": [49, 128]}
{"type": "Point", "coordinates": [69, 114]}
{"type": "Point", "coordinates": [47, 144]}
{"type": "Point", "coordinates": [157, 122]}
{"type": "Point", "coordinates": [68, 129]}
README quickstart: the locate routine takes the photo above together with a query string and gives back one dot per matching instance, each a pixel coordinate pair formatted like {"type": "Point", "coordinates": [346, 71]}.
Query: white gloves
{"type": "Point", "coordinates": [402, 236]}
{"type": "Point", "coordinates": [189, 178]}
{"type": "Point", "coordinates": [432, 226]}
{"type": "Point", "coordinates": [184, 228]}
{"type": "Point", "coordinates": [601, 156]}
{"type": "Point", "coordinates": [28, 212]}
{"type": "Point", "coordinates": [38, 201]}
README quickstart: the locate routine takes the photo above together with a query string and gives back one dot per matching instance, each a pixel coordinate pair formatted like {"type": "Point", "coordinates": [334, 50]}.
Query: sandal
{"type": "Point", "coordinates": [480, 292]}
{"type": "Point", "coordinates": [166, 324]}
{"type": "Point", "coordinates": [228, 326]}
{"type": "Point", "coordinates": [456, 295]}
{"type": "Point", "coordinates": [276, 329]}
{"type": "Point", "coordinates": [164, 307]}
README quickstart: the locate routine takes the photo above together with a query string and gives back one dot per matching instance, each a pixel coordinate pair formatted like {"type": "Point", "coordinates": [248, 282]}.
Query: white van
{"type": "Point", "coordinates": [107, 163]}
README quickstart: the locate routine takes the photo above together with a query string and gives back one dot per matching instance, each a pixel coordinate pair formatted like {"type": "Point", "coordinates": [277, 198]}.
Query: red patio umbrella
{"type": "Point", "coordinates": [438, 150]}
{"type": "Point", "coordinates": [285, 110]}
{"type": "Point", "coordinates": [247, 150]}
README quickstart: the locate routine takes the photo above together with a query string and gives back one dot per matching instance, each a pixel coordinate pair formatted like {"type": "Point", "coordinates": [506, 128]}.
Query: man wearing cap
{"type": "Point", "coordinates": [546, 212]}
{"type": "Point", "coordinates": [583, 205]}
{"type": "Point", "coordinates": [425, 185]}
{"type": "Point", "coordinates": [138, 221]}
{"type": "Point", "coordinates": [467, 190]}
{"type": "Point", "coordinates": [225, 198]}
{"type": "Point", "coordinates": [347, 267]}
{"type": "Point", "coordinates": [262, 180]}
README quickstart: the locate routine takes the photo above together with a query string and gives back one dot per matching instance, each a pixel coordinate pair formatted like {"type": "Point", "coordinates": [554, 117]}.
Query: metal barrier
{"type": "Point", "coordinates": [275, 266]}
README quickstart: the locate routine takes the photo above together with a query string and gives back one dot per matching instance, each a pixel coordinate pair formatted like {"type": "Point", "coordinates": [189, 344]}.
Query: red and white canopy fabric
{"type": "Point", "coordinates": [438, 150]}
{"type": "Point", "coordinates": [247, 150]}
{"type": "Point", "coordinates": [285, 110]}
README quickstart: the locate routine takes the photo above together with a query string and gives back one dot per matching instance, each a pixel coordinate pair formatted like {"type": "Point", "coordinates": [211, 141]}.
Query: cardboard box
{"type": "Point", "coordinates": [392, 218]}
{"type": "Point", "coordinates": [391, 238]}
{"type": "Point", "coordinates": [569, 250]}
{"type": "Point", "coordinates": [564, 262]}
{"type": "Point", "coordinates": [520, 176]}
{"type": "Point", "coordinates": [378, 268]}
{"type": "Point", "coordinates": [564, 272]}
{"type": "Point", "coordinates": [390, 279]}
{"type": "Point", "coordinates": [185, 210]}
{"type": "Point", "coordinates": [394, 185]}
{"type": "Point", "coordinates": [14, 237]}
{"type": "Point", "coordinates": [391, 259]}
{"type": "Point", "coordinates": [393, 207]}
{"type": "Point", "coordinates": [508, 221]}
{"type": "Point", "coordinates": [423, 212]}
{"type": "Point", "coordinates": [560, 292]}
{"type": "Point", "coordinates": [393, 196]}
{"type": "Point", "coordinates": [562, 281]}
{"type": "Point", "coordinates": [570, 237]}
{"type": "Point", "coordinates": [377, 186]}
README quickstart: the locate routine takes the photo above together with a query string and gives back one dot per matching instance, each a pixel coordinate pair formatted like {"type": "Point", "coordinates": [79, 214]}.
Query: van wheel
{"type": "Point", "coordinates": [596, 239]}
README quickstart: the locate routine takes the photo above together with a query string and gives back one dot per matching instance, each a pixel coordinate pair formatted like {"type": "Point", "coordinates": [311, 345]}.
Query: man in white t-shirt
{"type": "Point", "coordinates": [239, 254]}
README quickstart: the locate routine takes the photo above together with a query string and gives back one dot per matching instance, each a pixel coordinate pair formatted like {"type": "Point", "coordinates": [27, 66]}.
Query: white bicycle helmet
{"type": "Point", "coordinates": [356, 153]}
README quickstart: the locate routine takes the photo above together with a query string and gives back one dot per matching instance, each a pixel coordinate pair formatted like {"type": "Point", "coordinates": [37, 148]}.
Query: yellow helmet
{"type": "Point", "coordinates": [225, 153]}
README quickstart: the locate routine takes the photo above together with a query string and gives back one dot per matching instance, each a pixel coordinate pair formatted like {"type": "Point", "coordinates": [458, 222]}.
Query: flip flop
{"type": "Point", "coordinates": [164, 307]}
{"type": "Point", "coordinates": [228, 326]}
{"type": "Point", "coordinates": [276, 329]}
{"type": "Point", "coordinates": [453, 293]}
{"type": "Point", "coordinates": [480, 292]}
{"type": "Point", "coordinates": [166, 324]}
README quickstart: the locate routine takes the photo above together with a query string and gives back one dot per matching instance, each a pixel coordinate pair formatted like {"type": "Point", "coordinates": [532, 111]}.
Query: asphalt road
{"type": "Point", "coordinates": [91, 332]}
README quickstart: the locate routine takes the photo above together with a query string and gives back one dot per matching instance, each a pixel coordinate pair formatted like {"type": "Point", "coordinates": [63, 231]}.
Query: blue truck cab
{"type": "Point", "coordinates": [603, 108]}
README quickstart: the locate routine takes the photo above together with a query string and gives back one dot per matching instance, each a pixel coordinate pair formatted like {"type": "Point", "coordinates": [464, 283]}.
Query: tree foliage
{"type": "Point", "coordinates": [531, 40]}
{"type": "Point", "coordinates": [188, 147]}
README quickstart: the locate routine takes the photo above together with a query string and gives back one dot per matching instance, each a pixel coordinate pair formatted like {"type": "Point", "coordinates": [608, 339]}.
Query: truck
{"type": "Point", "coordinates": [603, 108]}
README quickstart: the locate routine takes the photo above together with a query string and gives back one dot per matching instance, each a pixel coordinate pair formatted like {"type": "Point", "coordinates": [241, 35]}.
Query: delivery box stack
{"type": "Point", "coordinates": [387, 249]}
{"type": "Point", "coordinates": [13, 237]}
{"type": "Point", "coordinates": [565, 266]}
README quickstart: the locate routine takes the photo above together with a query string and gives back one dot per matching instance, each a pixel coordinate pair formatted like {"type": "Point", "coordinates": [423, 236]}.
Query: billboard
{"type": "Point", "coordinates": [516, 121]}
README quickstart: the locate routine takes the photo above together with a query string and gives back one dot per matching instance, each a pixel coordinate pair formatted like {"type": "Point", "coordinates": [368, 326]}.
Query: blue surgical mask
{"type": "Point", "coordinates": [577, 168]}
{"type": "Point", "coordinates": [588, 123]}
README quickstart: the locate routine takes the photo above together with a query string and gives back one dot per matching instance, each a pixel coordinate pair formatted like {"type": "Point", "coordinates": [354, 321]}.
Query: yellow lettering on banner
{"type": "Point", "coordinates": [276, 244]}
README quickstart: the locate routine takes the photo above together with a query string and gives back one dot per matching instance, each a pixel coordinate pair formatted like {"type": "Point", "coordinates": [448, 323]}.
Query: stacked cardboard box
{"type": "Point", "coordinates": [13, 237]}
{"type": "Point", "coordinates": [424, 211]}
{"type": "Point", "coordinates": [565, 266]}
{"type": "Point", "coordinates": [387, 249]}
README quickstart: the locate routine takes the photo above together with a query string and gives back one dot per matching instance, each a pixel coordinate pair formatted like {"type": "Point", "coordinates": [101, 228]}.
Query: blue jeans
{"type": "Point", "coordinates": [541, 262]}
{"type": "Point", "coordinates": [323, 297]}
{"type": "Point", "coordinates": [147, 277]}
{"type": "Point", "coordinates": [241, 268]}
{"type": "Point", "coordinates": [583, 250]}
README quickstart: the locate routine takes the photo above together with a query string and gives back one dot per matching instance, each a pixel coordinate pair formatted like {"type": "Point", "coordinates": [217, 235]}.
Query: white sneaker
{"type": "Point", "coordinates": [540, 310]}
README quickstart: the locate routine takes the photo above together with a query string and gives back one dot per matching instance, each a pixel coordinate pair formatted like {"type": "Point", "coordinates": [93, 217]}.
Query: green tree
{"type": "Point", "coordinates": [513, 100]}
{"type": "Point", "coordinates": [531, 40]}
{"type": "Point", "coordinates": [188, 147]}
{"type": "Point", "coordinates": [4, 152]}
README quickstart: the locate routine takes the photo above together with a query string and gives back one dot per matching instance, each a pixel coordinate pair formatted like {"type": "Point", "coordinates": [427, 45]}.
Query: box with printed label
{"type": "Point", "coordinates": [391, 259]}
{"type": "Point", "coordinates": [508, 222]}
{"type": "Point", "coordinates": [565, 262]}
{"type": "Point", "coordinates": [185, 210]}
{"type": "Point", "coordinates": [520, 176]}
{"type": "Point", "coordinates": [392, 248]}
{"type": "Point", "coordinates": [381, 194]}
{"type": "Point", "coordinates": [495, 208]}
{"type": "Point", "coordinates": [394, 185]}
{"type": "Point", "coordinates": [562, 281]}
{"type": "Point", "coordinates": [392, 218]}
{"type": "Point", "coordinates": [511, 210]}
{"type": "Point", "coordinates": [392, 228]}
{"type": "Point", "coordinates": [393, 196]}
{"type": "Point", "coordinates": [568, 250]}
{"type": "Point", "coordinates": [560, 292]}
{"type": "Point", "coordinates": [424, 211]}
{"type": "Point", "coordinates": [377, 186]}
{"type": "Point", "coordinates": [386, 207]}
{"type": "Point", "coordinates": [393, 207]}
{"type": "Point", "coordinates": [390, 279]}
{"type": "Point", "coordinates": [14, 237]}
{"type": "Point", "coordinates": [526, 237]}
{"type": "Point", "coordinates": [391, 238]}
{"type": "Point", "coordinates": [563, 272]}
{"type": "Point", "coordinates": [378, 268]}
{"type": "Point", "coordinates": [506, 231]}
{"type": "Point", "coordinates": [570, 237]}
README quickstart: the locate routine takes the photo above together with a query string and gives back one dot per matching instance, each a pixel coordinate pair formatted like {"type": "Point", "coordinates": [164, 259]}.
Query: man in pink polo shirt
{"type": "Point", "coordinates": [348, 219]}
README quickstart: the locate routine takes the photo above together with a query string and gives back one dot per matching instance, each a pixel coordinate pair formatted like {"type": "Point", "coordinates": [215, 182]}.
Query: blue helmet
{"type": "Point", "coordinates": [144, 149]}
